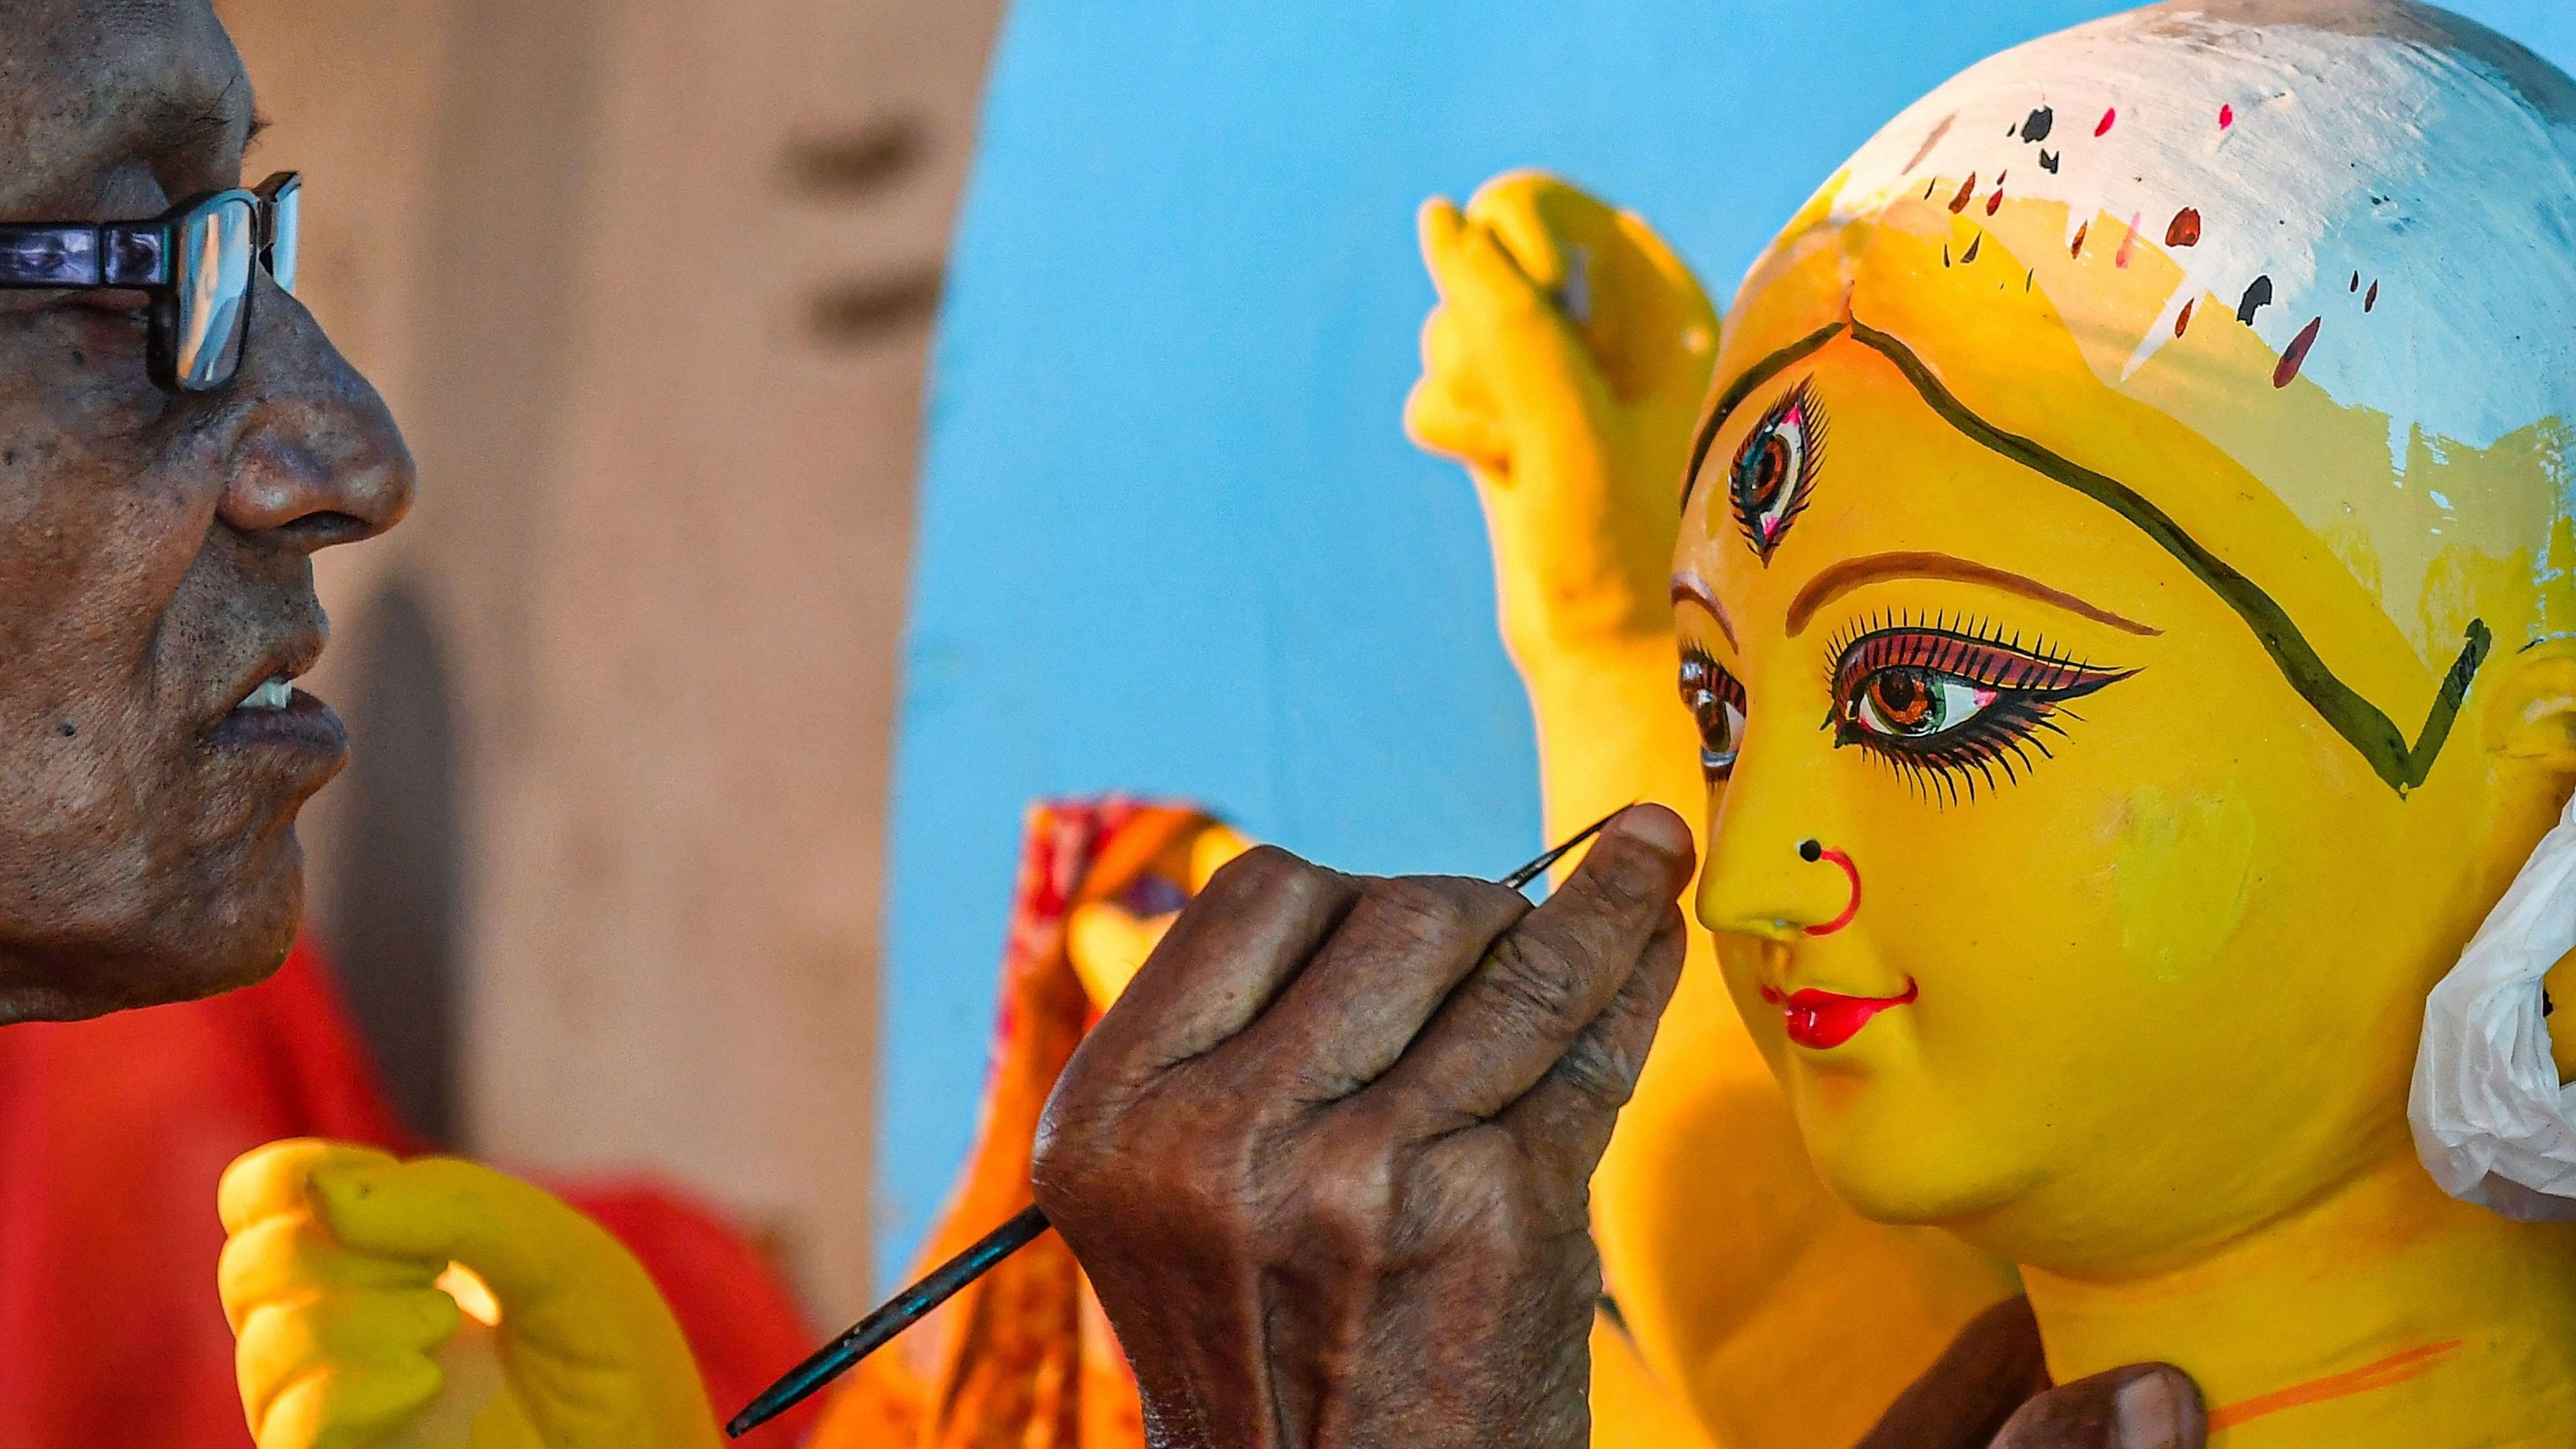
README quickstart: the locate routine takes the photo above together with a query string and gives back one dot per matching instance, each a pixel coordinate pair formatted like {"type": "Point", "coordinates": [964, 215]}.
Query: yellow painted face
{"type": "Point", "coordinates": [2084, 825]}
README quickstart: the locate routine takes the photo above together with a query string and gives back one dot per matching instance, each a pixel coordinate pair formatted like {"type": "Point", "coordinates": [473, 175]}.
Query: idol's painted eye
{"type": "Point", "coordinates": [1949, 702]}
{"type": "Point", "coordinates": [1717, 706]}
{"type": "Point", "coordinates": [1775, 469]}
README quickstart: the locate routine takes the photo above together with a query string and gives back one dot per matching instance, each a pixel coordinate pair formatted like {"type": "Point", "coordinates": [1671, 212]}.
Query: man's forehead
{"type": "Point", "coordinates": [88, 86]}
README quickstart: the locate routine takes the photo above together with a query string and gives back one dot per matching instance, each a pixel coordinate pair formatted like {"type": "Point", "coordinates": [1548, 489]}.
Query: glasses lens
{"type": "Point", "coordinates": [285, 216]}
{"type": "Point", "coordinates": [215, 250]}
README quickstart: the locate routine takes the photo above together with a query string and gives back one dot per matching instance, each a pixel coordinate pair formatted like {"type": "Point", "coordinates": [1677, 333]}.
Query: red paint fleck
{"type": "Point", "coordinates": [1995, 202]}
{"type": "Point", "coordinates": [2128, 243]}
{"type": "Point", "coordinates": [2297, 355]}
{"type": "Point", "coordinates": [2183, 322]}
{"type": "Point", "coordinates": [2077, 250]}
{"type": "Point", "coordinates": [2108, 117]}
{"type": "Point", "coordinates": [1967, 189]}
{"type": "Point", "coordinates": [2226, 116]}
{"type": "Point", "coordinates": [2185, 230]}
{"type": "Point", "coordinates": [2372, 300]}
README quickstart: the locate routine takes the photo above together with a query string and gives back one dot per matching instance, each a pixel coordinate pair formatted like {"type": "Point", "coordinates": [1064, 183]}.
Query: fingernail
{"type": "Point", "coordinates": [1655, 828]}
{"type": "Point", "coordinates": [2150, 1413]}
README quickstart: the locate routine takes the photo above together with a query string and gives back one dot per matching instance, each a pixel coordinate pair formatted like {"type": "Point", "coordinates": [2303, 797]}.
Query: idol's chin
{"type": "Point", "coordinates": [1893, 1166]}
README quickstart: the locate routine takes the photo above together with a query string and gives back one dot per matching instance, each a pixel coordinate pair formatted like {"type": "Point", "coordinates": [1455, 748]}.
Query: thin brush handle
{"type": "Point", "coordinates": [909, 1307]}
{"type": "Point", "coordinates": [900, 1312]}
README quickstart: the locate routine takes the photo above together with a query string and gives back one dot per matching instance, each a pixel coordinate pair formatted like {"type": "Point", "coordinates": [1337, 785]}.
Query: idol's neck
{"type": "Point", "coordinates": [2384, 1313]}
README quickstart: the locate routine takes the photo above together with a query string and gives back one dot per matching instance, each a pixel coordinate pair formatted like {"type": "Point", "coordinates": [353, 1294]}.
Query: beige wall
{"type": "Point", "coordinates": [647, 282]}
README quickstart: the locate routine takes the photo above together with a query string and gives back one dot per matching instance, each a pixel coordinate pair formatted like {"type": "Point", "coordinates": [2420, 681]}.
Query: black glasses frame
{"type": "Point", "coordinates": [145, 256]}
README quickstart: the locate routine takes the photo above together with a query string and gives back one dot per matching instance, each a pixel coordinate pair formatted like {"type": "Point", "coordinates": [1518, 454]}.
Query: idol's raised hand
{"type": "Point", "coordinates": [1565, 366]}
{"type": "Point", "coordinates": [331, 1276]}
{"type": "Point", "coordinates": [1327, 1161]}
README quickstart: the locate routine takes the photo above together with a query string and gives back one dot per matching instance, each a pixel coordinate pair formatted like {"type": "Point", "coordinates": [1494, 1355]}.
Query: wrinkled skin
{"type": "Point", "coordinates": [1327, 1161]}
{"type": "Point", "coordinates": [155, 551]}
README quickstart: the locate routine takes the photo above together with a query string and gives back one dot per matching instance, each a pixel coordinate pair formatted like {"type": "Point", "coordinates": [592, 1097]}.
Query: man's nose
{"type": "Point", "coordinates": [316, 458]}
{"type": "Point", "coordinates": [1769, 870]}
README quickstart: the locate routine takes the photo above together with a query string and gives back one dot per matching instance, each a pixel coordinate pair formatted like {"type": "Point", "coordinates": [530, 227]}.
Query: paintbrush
{"type": "Point", "coordinates": [914, 1303]}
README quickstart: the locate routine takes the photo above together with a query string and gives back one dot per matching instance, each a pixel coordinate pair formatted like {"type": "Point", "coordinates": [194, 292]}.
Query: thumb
{"type": "Point", "coordinates": [522, 1241]}
{"type": "Point", "coordinates": [2144, 1406]}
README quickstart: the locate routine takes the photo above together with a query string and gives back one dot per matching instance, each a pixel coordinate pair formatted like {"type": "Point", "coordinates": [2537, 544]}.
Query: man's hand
{"type": "Point", "coordinates": [331, 1279]}
{"type": "Point", "coordinates": [1991, 1391]}
{"type": "Point", "coordinates": [1327, 1161]}
{"type": "Point", "coordinates": [1565, 366]}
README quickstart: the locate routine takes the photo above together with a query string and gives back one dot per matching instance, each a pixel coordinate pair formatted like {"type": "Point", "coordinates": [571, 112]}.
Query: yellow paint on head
{"type": "Point", "coordinates": [2182, 877]}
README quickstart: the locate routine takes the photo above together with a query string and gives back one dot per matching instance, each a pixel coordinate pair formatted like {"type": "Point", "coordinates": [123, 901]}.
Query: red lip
{"type": "Point", "coordinates": [1824, 1020]}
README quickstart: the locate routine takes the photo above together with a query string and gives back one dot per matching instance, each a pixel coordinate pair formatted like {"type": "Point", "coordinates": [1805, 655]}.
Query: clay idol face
{"type": "Point", "coordinates": [2113, 497]}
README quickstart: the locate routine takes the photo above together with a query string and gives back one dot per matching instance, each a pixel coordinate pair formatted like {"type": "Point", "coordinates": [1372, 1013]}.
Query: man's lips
{"type": "Point", "coordinates": [1826, 1019]}
{"type": "Point", "coordinates": [305, 725]}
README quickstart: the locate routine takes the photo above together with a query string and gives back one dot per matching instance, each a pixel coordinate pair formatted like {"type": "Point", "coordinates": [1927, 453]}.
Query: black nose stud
{"type": "Point", "coordinates": [1811, 851]}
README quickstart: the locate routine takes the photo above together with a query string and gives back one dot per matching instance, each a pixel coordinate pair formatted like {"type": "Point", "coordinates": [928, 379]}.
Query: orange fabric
{"type": "Point", "coordinates": [1023, 1358]}
{"type": "Point", "coordinates": [112, 1136]}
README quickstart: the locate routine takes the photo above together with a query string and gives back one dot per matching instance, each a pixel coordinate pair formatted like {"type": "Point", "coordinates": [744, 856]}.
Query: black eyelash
{"type": "Point", "coordinates": [2031, 683]}
{"type": "Point", "coordinates": [1701, 673]}
{"type": "Point", "coordinates": [1802, 401]}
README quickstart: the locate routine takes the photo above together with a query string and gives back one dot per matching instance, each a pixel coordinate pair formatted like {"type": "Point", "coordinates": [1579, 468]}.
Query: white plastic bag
{"type": "Point", "coordinates": [2491, 1122]}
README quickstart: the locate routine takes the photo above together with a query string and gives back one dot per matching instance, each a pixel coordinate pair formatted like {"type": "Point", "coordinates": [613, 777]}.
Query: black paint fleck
{"type": "Point", "coordinates": [2039, 123]}
{"type": "Point", "coordinates": [2257, 297]}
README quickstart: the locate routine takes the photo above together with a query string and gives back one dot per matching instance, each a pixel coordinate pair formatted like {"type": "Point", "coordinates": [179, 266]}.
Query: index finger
{"type": "Point", "coordinates": [1549, 977]}
{"type": "Point", "coordinates": [1225, 959]}
{"type": "Point", "coordinates": [272, 1180]}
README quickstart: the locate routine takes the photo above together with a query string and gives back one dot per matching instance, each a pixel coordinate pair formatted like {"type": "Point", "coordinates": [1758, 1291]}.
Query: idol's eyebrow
{"type": "Point", "coordinates": [1689, 588]}
{"type": "Point", "coordinates": [1843, 577]}
{"type": "Point", "coordinates": [1740, 389]}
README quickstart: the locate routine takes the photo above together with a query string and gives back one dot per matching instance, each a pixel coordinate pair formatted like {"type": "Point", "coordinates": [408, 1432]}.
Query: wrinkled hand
{"type": "Point", "coordinates": [1991, 1391]}
{"type": "Point", "coordinates": [1565, 365]}
{"type": "Point", "coordinates": [331, 1278]}
{"type": "Point", "coordinates": [1327, 1161]}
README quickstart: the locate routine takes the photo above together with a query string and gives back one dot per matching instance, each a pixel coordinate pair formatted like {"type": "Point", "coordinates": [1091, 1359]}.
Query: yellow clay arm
{"type": "Point", "coordinates": [1565, 366]}
{"type": "Point", "coordinates": [342, 1277]}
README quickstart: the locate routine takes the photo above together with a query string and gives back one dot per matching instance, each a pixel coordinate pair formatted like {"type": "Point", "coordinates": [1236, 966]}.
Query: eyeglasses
{"type": "Point", "coordinates": [194, 263]}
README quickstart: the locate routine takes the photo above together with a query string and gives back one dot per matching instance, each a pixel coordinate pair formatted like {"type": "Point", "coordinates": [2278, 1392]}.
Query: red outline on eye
{"type": "Point", "coordinates": [1852, 908]}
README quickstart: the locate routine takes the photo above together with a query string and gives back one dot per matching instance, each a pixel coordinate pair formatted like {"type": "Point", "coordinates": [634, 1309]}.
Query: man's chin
{"type": "Point", "coordinates": [76, 980]}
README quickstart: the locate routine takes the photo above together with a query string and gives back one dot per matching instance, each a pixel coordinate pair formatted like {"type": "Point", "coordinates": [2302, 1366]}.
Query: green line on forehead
{"type": "Point", "coordinates": [1742, 388]}
{"type": "Point", "coordinates": [2360, 723]}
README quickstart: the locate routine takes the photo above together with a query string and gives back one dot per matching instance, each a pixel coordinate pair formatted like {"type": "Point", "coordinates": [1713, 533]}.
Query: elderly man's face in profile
{"type": "Point", "coordinates": [156, 548]}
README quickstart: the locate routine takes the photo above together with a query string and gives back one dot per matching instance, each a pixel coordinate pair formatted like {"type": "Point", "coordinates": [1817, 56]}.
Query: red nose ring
{"type": "Point", "coordinates": [1810, 850]}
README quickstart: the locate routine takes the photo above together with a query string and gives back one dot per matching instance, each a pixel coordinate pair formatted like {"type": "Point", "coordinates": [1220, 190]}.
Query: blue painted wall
{"type": "Point", "coordinates": [1172, 537]}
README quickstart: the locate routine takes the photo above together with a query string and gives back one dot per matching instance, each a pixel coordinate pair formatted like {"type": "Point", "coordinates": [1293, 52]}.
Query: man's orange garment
{"type": "Point", "coordinates": [1023, 1358]}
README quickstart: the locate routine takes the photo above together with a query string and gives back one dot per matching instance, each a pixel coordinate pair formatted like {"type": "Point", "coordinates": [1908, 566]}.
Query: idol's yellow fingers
{"type": "Point", "coordinates": [1639, 310]}
{"type": "Point", "coordinates": [1451, 358]}
{"type": "Point", "coordinates": [282, 1344]}
{"type": "Point", "coordinates": [346, 1406]}
{"type": "Point", "coordinates": [553, 1271]}
{"type": "Point", "coordinates": [1535, 362]}
{"type": "Point", "coordinates": [1669, 268]}
{"type": "Point", "coordinates": [271, 1179]}
{"type": "Point", "coordinates": [1539, 220]}
{"type": "Point", "coordinates": [288, 1256]}
{"type": "Point", "coordinates": [1438, 423]}
{"type": "Point", "coordinates": [1436, 226]}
